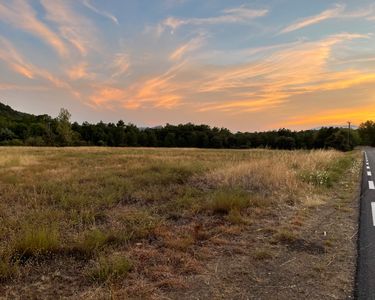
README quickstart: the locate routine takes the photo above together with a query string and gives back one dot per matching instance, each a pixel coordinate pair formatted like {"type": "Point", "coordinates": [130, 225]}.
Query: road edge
{"type": "Point", "coordinates": [359, 219]}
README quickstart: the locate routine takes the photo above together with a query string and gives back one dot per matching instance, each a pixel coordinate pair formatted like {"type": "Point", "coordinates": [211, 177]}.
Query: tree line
{"type": "Point", "coordinates": [18, 128]}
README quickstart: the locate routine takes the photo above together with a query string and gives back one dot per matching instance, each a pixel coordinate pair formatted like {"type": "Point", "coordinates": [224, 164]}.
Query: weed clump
{"type": "Point", "coordinates": [36, 242]}
{"type": "Point", "coordinates": [95, 240]}
{"type": "Point", "coordinates": [262, 254]}
{"type": "Point", "coordinates": [107, 268]}
{"type": "Point", "coordinates": [223, 202]}
{"type": "Point", "coordinates": [285, 236]}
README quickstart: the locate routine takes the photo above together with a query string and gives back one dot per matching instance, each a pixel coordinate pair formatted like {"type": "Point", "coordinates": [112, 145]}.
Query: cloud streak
{"type": "Point", "coordinates": [74, 28]}
{"type": "Point", "coordinates": [189, 46]}
{"type": "Point", "coordinates": [89, 5]}
{"type": "Point", "coordinates": [19, 64]}
{"type": "Point", "coordinates": [21, 15]}
{"type": "Point", "coordinates": [338, 11]}
{"type": "Point", "coordinates": [325, 15]}
{"type": "Point", "coordinates": [290, 70]}
{"type": "Point", "coordinates": [240, 14]}
{"type": "Point", "coordinates": [214, 68]}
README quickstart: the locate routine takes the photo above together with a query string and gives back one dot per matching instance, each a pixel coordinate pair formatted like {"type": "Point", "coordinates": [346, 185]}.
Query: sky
{"type": "Point", "coordinates": [243, 65]}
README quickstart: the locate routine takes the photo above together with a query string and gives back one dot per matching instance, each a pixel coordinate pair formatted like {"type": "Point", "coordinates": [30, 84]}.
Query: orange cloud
{"type": "Point", "coordinates": [79, 72]}
{"type": "Point", "coordinates": [159, 91]}
{"type": "Point", "coordinates": [28, 22]}
{"type": "Point", "coordinates": [23, 70]}
{"type": "Point", "coordinates": [15, 61]}
{"type": "Point", "coordinates": [120, 65]}
{"type": "Point", "coordinates": [336, 116]}
{"type": "Point", "coordinates": [273, 80]}
{"type": "Point", "coordinates": [74, 28]}
{"type": "Point", "coordinates": [294, 69]}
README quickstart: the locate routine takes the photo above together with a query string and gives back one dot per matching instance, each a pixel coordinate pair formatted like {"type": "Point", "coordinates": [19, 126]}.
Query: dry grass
{"type": "Point", "coordinates": [107, 268]}
{"type": "Point", "coordinates": [162, 209]}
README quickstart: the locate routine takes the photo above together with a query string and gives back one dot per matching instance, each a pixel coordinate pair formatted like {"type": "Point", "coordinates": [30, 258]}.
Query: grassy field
{"type": "Point", "coordinates": [176, 223]}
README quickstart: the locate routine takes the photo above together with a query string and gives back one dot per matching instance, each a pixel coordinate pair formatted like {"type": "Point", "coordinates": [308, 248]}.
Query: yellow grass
{"type": "Point", "coordinates": [104, 200]}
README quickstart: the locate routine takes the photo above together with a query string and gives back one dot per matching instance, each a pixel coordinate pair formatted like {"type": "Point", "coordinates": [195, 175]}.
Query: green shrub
{"type": "Point", "coordinates": [35, 242]}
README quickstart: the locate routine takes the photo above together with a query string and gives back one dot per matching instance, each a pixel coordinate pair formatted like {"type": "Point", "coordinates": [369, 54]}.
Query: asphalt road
{"type": "Point", "coordinates": [366, 243]}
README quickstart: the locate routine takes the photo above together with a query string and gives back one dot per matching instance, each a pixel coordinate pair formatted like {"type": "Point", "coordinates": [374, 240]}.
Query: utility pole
{"type": "Point", "coordinates": [349, 133]}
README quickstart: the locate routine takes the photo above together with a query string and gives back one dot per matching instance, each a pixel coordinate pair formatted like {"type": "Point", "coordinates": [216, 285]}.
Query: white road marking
{"type": "Point", "coordinates": [373, 212]}
{"type": "Point", "coordinates": [371, 185]}
{"type": "Point", "coordinates": [369, 173]}
{"type": "Point", "coordinates": [368, 167]}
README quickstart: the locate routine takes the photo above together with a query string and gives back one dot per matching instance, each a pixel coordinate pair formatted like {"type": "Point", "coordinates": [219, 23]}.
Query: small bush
{"type": "Point", "coordinates": [223, 202]}
{"type": "Point", "coordinates": [36, 242]}
{"type": "Point", "coordinates": [285, 236]}
{"type": "Point", "coordinates": [93, 241]}
{"type": "Point", "coordinates": [96, 239]}
{"type": "Point", "coordinates": [262, 254]}
{"type": "Point", "coordinates": [110, 267]}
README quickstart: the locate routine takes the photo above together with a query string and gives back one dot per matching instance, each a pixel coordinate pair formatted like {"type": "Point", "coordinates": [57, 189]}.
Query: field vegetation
{"type": "Point", "coordinates": [175, 223]}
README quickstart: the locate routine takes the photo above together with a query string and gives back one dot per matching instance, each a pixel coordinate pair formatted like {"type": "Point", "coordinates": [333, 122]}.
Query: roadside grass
{"type": "Point", "coordinates": [330, 173]}
{"type": "Point", "coordinates": [115, 207]}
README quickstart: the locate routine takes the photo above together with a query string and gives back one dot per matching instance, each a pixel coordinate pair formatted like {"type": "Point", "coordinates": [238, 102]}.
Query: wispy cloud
{"type": "Point", "coordinates": [158, 91]}
{"type": "Point", "coordinates": [80, 71]}
{"type": "Point", "coordinates": [338, 11]}
{"type": "Point", "coordinates": [120, 64]}
{"type": "Point", "coordinates": [19, 14]}
{"type": "Point", "coordinates": [189, 46]}
{"type": "Point", "coordinates": [273, 80]}
{"type": "Point", "coordinates": [14, 60]}
{"type": "Point", "coordinates": [18, 63]}
{"type": "Point", "coordinates": [240, 14]}
{"type": "Point", "coordinates": [89, 5]}
{"type": "Point", "coordinates": [75, 28]}
{"type": "Point", "coordinates": [290, 70]}
{"type": "Point", "coordinates": [327, 14]}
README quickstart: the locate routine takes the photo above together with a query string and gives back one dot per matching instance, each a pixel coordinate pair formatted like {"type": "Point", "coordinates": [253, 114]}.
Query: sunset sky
{"type": "Point", "coordinates": [244, 65]}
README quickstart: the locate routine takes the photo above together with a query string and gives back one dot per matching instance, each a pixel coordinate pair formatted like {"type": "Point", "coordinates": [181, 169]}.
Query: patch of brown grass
{"type": "Point", "coordinates": [166, 210]}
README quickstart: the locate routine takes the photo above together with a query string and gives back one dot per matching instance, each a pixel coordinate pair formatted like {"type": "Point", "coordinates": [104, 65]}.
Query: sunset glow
{"type": "Point", "coordinates": [244, 65]}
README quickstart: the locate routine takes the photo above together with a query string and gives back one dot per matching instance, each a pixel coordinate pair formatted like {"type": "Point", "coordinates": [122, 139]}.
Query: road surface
{"type": "Point", "coordinates": [366, 245]}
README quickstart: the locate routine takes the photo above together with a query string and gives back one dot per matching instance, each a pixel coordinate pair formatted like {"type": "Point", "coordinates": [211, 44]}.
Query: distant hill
{"type": "Point", "coordinates": [9, 113]}
{"type": "Point", "coordinates": [12, 115]}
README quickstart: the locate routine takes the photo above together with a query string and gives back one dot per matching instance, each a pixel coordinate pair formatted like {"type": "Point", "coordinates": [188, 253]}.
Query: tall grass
{"type": "Point", "coordinates": [112, 200]}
